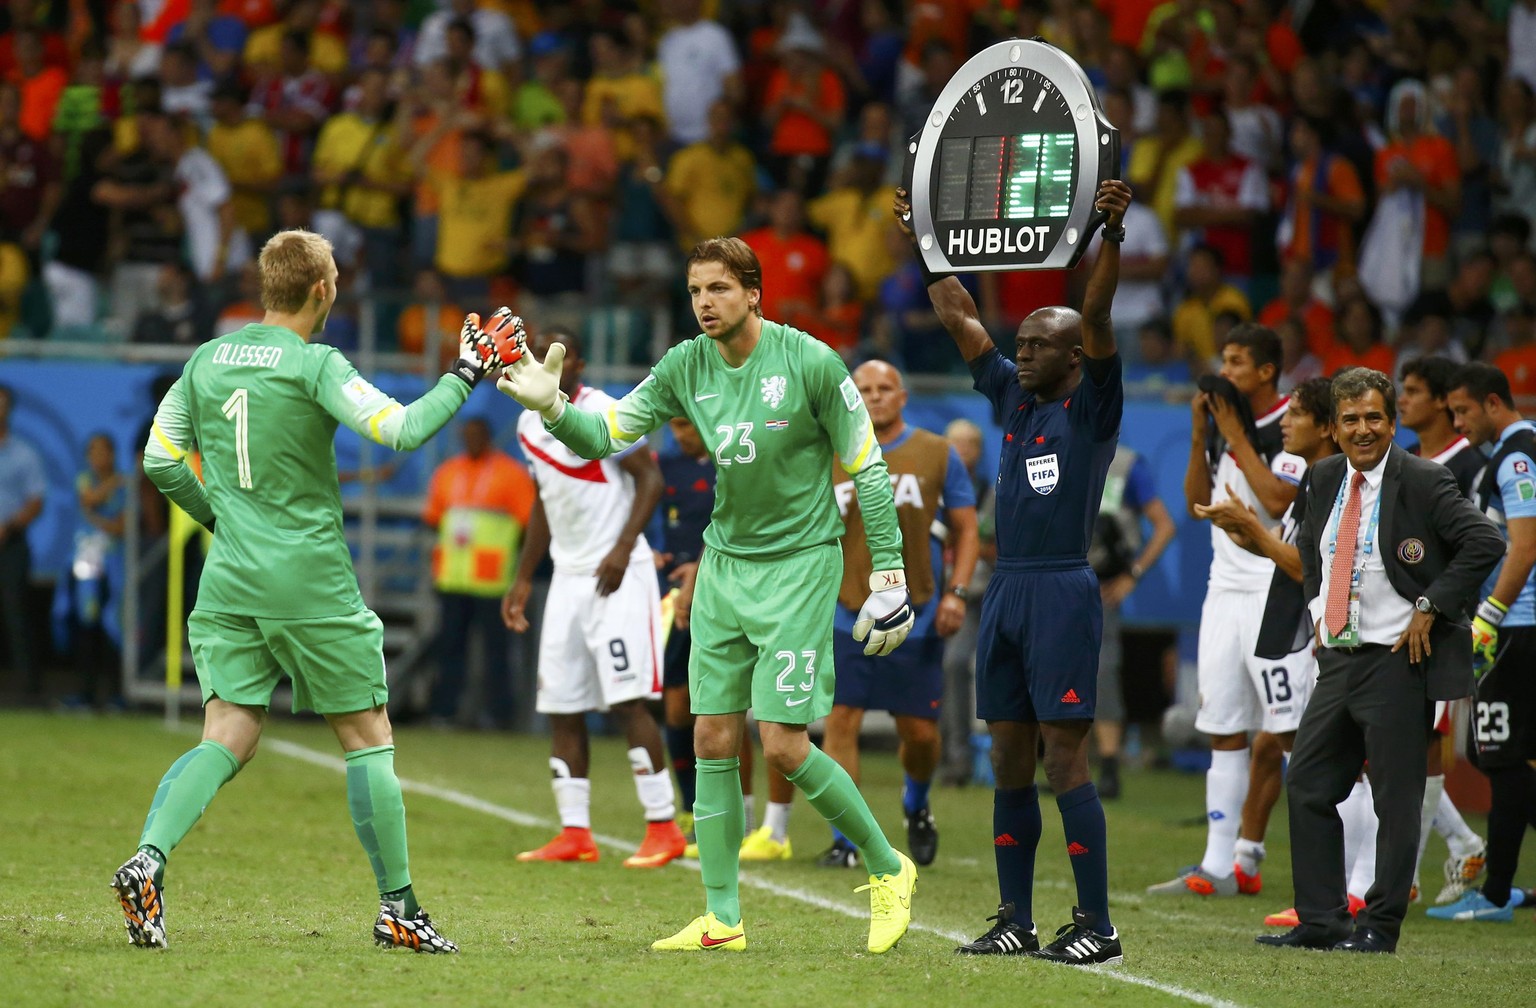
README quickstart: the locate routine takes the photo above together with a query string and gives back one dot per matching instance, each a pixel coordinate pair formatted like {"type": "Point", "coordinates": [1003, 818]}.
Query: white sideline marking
{"type": "Point", "coordinates": [511, 815]}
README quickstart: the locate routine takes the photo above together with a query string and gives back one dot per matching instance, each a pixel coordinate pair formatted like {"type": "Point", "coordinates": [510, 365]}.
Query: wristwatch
{"type": "Point", "coordinates": [1424, 605]}
{"type": "Point", "coordinates": [1116, 235]}
{"type": "Point", "coordinates": [961, 592]}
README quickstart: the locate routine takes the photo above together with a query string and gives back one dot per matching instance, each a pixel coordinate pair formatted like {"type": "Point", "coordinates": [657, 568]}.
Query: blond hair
{"type": "Point", "coordinates": [290, 264]}
{"type": "Point", "coordinates": [738, 259]}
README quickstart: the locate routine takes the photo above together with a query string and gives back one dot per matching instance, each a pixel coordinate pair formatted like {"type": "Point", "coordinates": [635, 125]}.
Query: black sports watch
{"type": "Point", "coordinates": [1116, 235]}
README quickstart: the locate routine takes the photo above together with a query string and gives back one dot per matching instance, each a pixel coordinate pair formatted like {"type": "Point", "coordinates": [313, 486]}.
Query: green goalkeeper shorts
{"type": "Point", "coordinates": [336, 662]}
{"type": "Point", "coordinates": [762, 635]}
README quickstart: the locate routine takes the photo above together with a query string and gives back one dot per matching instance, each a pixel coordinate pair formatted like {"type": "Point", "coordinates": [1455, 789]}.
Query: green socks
{"type": "Point", "coordinates": [833, 793]}
{"type": "Point", "coordinates": [378, 815]}
{"type": "Point", "coordinates": [719, 824]}
{"type": "Point", "coordinates": [184, 793]}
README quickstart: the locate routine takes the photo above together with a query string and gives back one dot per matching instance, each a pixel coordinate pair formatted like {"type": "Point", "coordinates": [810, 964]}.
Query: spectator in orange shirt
{"type": "Point", "coordinates": [793, 259]}
{"type": "Point", "coordinates": [479, 503]}
{"type": "Point", "coordinates": [1360, 339]}
{"type": "Point", "coordinates": [1518, 360]}
{"type": "Point", "coordinates": [1325, 203]}
{"type": "Point", "coordinates": [1297, 300]}
{"type": "Point", "coordinates": [41, 84]}
{"type": "Point", "coordinates": [838, 319]}
{"type": "Point", "coordinates": [1127, 19]}
{"type": "Point", "coordinates": [803, 106]}
{"type": "Point", "coordinates": [1298, 364]}
{"type": "Point", "coordinates": [1424, 162]}
{"type": "Point", "coordinates": [432, 108]}
{"type": "Point", "coordinates": [441, 329]}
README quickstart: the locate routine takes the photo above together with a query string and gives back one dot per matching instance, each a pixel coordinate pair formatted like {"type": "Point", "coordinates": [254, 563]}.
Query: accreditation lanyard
{"type": "Point", "coordinates": [1351, 635]}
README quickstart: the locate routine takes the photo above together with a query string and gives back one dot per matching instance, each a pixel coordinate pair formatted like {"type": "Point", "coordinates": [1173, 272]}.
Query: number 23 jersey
{"type": "Point", "coordinates": [773, 426]}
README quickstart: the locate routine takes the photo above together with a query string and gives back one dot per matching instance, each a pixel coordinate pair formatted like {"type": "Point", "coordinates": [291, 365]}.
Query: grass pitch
{"type": "Point", "coordinates": [270, 900]}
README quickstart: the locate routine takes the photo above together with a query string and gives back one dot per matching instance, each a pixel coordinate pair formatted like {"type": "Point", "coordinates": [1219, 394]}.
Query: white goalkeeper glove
{"type": "Point", "coordinates": [537, 385]}
{"type": "Point", "coordinates": [886, 616]}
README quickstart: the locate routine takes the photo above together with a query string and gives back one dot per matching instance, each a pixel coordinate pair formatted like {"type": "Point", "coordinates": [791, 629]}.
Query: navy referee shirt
{"type": "Point", "coordinates": [687, 500]}
{"type": "Point", "coordinates": [1054, 458]}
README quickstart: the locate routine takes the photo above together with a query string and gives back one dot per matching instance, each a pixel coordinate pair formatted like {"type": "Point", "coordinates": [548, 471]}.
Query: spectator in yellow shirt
{"type": "Point", "coordinates": [620, 81]}
{"type": "Point", "coordinates": [246, 148]}
{"type": "Point", "coordinates": [474, 224]}
{"type": "Point", "coordinates": [1157, 159]}
{"type": "Point", "coordinates": [712, 182]}
{"type": "Point", "coordinates": [1194, 321]}
{"type": "Point", "coordinates": [855, 218]}
{"type": "Point", "coordinates": [362, 173]}
{"type": "Point", "coordinates": [327, 53]}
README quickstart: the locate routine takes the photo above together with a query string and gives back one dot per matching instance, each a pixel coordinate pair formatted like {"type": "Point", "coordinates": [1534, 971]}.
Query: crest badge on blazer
{"type": "Point", "coordinates": [1411, 551]}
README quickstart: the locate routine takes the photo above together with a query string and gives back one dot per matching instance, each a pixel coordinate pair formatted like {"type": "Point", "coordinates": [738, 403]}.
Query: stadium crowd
{"type": "Point", "coordinates": [1358, 176]}
{"type": "Point", "coordinates": [1355, 177]}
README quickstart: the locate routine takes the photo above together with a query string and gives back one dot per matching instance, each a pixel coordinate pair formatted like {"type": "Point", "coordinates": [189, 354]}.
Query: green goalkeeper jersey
{"type": "Point", "coordinates": [261, 407]}
{"type": "Point", "coordinates": [774, 426]}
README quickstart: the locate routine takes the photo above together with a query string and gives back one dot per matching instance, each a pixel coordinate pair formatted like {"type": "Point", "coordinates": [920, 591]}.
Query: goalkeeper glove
{"type": "Point", "coordinates": [477, 351]}
{"type": "Point", "coordinates": [886, 616]}
{"type": "Point", "coordinates": [537, 385]}
{"type": "Point", "coordinates": [1485, 634]}
{"type": "Point", "coordinates": [508, 336]}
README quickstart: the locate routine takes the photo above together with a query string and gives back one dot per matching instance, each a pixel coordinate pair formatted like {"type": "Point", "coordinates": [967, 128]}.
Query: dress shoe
{"type": "Point", "coordinates": [1306, 936]}
{"type": "Point", "coordinates": [1366, 940]}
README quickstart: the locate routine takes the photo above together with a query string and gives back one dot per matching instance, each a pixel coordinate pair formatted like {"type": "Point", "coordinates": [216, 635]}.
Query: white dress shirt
{"type": "Point", "coordinates": [1384, 614]}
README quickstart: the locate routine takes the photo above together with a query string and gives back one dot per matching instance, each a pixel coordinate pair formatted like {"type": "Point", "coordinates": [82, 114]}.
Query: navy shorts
{"type": "Point", "coordinates": [674, 661]}
{"type": "Point", "coordinates": [1504, 704]}
{"type": "Point", "coordinates": [1038, 655]}
{"type": "Point", "coordinates": [909, 680]}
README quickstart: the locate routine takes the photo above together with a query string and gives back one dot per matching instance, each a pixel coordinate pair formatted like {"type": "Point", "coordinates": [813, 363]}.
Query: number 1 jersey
{"type": "Point", "coordinates": [261, 406]}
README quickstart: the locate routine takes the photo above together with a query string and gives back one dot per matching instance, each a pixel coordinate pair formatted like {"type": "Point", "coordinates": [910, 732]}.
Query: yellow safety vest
{"type": "Point", "coordinates": [475, 550]}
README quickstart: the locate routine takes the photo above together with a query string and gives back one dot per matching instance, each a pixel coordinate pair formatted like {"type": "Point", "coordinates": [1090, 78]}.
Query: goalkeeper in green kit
{"type": "Point", "coordinates": [278, 592]}
{"type": "Point", "coordinates": [775, 406]}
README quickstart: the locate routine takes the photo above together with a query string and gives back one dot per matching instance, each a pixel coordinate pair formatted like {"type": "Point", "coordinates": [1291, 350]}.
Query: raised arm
{"type": "Point", "coordinates": [536, 385]}
{"type": "Point", "coordinates": [951, 301]}
{"type": "Point", "coordinates": [358, 404]}
{"type": "Point", "coordinates": [1098, 334]}
{"type": "Point", "coordinates": [1273, 492]}
{"type": "Point", "coordinates": [1197, 473]}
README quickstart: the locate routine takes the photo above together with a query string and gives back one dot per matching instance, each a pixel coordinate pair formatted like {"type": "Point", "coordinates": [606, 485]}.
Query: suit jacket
{"type": "Point", "coordinates": [1433, 543]}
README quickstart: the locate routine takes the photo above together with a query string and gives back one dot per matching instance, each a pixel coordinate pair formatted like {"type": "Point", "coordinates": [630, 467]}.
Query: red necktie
{"type": "Point", "coordinates": [1336, 615]}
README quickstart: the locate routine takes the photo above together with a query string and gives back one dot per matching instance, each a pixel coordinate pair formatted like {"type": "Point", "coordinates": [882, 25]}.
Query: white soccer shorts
{"type": "Point", "coordinates": [596, 651]}
{"type": "Point", "coordinates": [1282, 688]}
{"type": "Point", "coordinates": [1240, 692]}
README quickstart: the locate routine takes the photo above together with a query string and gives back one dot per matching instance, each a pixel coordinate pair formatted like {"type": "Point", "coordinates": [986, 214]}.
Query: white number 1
{"type": "Point", "coordinates": [237, 408]}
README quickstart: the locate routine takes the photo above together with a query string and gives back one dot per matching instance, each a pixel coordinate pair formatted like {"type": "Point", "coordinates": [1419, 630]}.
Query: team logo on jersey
{"type": "Point", "coordinates": [1521, 466]}
{"type": "Point", "coordinates": [851, 397]}
{"type": "Point", "coordinates": [773, 390]}
{"type": "Point", "coordinates": [1411, 551]}
{"type": "Point", "coordinates": [1043, 473]}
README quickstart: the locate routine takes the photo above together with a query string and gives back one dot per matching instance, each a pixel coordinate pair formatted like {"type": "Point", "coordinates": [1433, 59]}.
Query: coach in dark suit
{"type": "Point", "coordinates": [1391, 556]}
